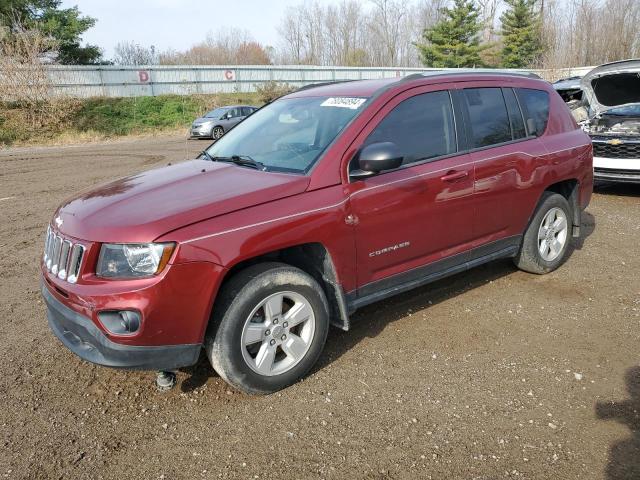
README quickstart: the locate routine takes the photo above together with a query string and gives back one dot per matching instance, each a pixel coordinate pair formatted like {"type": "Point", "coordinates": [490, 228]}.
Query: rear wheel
{"type": "Point", "coordinates": [546, 240]}
{"type": "Point", "coordinates": [270, 324]}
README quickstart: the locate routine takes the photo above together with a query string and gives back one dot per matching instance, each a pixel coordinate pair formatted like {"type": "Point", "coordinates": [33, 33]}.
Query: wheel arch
{"type": "Point", "coordinates": [570, 190]}
{"type": "Point", "coordinates": [315, 260]}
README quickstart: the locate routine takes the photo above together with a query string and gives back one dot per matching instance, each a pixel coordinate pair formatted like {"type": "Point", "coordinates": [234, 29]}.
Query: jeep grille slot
{"type": "Point", "coordinates": [62, 257]}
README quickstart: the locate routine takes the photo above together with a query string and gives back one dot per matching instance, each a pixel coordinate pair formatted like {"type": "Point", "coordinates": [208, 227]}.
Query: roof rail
{"type": "Point", "coordinates": [321, 84]}
{"type": "Point", "coordinates": [467, 71]}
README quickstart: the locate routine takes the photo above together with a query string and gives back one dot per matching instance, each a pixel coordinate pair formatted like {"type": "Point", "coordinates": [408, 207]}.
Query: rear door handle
{"type": "Point", "coordinates": [453, 175]}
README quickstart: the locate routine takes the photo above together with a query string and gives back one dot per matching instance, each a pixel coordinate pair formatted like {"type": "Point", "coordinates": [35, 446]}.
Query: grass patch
{"type": "Point", "coordinates": [100, 118]}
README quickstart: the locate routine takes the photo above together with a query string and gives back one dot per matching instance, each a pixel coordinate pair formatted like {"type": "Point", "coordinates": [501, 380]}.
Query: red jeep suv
{"type": "Point", "coordinates": [325, 200]}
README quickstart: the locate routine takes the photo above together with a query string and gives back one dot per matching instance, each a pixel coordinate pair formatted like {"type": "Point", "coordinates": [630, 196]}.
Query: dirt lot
{"type": "Point", "coordinates": [494, 373]}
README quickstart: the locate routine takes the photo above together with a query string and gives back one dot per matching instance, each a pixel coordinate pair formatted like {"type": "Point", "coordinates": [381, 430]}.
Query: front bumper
{"type": "Point", "coordinates": [80, 335]}
{"type": "Point", "coordinates": [201, 132]}
{"type": "Point", "coordinates": [616, 159]}
{"type": "Point", "coordinates": [626, 170]}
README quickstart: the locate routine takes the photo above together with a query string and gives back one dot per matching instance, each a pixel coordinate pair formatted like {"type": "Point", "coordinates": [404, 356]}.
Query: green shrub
{"type": "Point", "coordinates": [109, 117]}
{"type": "Point", "coordinates": [269, 91]}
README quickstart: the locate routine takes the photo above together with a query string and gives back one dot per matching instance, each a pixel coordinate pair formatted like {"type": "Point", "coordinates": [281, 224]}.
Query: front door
{"type": "Point", "coordinates": [422, 212]}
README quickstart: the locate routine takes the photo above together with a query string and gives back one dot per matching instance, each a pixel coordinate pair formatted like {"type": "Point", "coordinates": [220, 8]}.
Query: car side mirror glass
{"type": "Point", "coordinates": [376, 158]}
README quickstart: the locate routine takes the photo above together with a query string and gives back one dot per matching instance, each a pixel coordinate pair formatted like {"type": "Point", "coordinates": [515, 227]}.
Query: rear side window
{"type": "Point", "coordinates": [488, 117]}
{"type": "Point", "coordinates": [515, 115]}
{"type": "Point", "coordinates": [421, 126]}
{"type": "Point", "coordinates": [535, 104]}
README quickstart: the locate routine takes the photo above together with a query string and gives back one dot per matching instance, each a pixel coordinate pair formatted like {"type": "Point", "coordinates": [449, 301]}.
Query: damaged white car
{"type": "Point", "coordinates": [610, 114]}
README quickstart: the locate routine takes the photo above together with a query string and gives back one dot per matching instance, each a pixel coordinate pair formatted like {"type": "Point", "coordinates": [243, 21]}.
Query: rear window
{"type": "Point", "coordinates": [515, 115]}
{"type": "Point", "coordinates": [488, 115]}
{"type": "Point", "coordinates": [535, 104]}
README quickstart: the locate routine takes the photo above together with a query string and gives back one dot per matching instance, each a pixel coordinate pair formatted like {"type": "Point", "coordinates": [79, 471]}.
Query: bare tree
{"type": "Point", "coordinates": [355, 33]}
{"type": "Point", "coordinates": [290, 30]}
{"type": "Point", "coordinates": [488, 11]}
{"type": "Point", "coordinates": [131, 53]}
{"type": "Point", "coordinates": [386, 26]}
{"type": "Point", "coordinates": [25, 54]}
{"type": "Point", "coordinates": [23, 75]}
{"type": "Point", "coordinates": [227, 47]}
{"type": "Point", "coordinates": [590, 32]}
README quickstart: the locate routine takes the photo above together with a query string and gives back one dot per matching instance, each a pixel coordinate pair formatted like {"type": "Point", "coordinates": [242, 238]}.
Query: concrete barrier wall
{"type": "Point", "coordinates": [117, 81]}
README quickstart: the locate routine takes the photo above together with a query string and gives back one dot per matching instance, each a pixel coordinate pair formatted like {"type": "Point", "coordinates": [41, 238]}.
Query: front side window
{"type": "Point", "coordinates": [488, 117]}
{"type": "Point", "coordinates": [289, 134]}
{"type": "Point", "coordinates": [217, 113]}
{"type": "Point", "coordinates": [536, 107]}
{"type": "Point", "coordinates": [421, 126]}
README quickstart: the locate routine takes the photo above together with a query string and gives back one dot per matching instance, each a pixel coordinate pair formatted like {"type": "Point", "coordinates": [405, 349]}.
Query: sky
{"type": "Point", "coordinates": [177, 24]}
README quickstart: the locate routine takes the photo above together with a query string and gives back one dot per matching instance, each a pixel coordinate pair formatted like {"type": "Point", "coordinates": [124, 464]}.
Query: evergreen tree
{"type": "Point", "coordinates": [453, 42]}
{"type": "Point", "coordinates": [520, 31]}
{"type": "Point", "coordinates": [64, 25]}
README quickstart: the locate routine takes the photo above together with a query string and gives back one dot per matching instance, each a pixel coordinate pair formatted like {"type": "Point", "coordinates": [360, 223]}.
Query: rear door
{"type": "Point", "coordinates": [506, 161]}
{"type": "Point", "coordinates": [421, 212]}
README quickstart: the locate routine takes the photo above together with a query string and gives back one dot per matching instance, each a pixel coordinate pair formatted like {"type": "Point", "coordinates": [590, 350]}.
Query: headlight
{"type": "Point", "coordinates": [133, 260]}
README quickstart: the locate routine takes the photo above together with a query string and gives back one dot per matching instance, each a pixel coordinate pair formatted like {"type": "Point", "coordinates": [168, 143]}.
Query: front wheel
{"type": "Point", "coordinates": [217, 133]}
{"type": "Point", "coordinates": [546, 241]}
{"type": "Point", "coordinates": [270, 324]}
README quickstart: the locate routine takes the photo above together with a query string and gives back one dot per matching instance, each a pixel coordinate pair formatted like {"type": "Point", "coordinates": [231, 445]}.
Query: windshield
{"type": "Point", "coordinates": [289, 134]}
{"type": "Point", "coordinates": [217, 113]}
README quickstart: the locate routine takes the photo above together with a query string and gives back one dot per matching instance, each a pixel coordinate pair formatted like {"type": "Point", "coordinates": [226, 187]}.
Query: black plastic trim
{"type": "Point", "coordinates": [402, 282]}
{"type": "Point", "coordinates": [613, 175]}
{"type": "Point", "coordinates": [82, 337]}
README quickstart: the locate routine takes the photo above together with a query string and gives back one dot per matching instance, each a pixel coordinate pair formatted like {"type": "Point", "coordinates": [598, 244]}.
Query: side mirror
{"type": "Point", "coordinates": [376, 158]}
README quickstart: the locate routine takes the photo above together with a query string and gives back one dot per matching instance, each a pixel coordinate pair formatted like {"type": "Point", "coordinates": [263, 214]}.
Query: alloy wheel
{"type": "Point", "coordinates": [553, 234]}
{"type": "Point", "coordinates": [217, 133]}
{"type": "Point", "coordinates": [278, 333]}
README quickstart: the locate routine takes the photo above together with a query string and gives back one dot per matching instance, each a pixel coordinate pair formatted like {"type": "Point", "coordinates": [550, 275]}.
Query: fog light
{"type": "Point", "coordinates": [120, 322]}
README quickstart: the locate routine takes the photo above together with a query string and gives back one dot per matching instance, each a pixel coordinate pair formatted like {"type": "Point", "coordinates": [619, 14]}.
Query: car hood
{"type": "Point", "coordinates": [201, 120]}
{"type": "Point", "coordinates": [142, 207]}
{"type": "Point", "coordinates": [612, 85]}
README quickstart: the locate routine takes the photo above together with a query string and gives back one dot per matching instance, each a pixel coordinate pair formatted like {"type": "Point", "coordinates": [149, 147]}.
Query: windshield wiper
{"type": "Point", "coordinates": [243, 160]}
{"type": "Point", "coordinates": [206, 155]}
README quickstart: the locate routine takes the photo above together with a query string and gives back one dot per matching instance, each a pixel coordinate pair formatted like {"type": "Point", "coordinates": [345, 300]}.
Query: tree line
{"type": "Point", "coordinates": [390, 33]}
{"type": "Point", "coordinates": [461, 33]}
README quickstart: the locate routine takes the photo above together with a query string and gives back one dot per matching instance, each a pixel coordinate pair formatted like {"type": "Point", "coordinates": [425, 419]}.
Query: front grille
{"type": "Point", "coordinates": [62, 257]}
{"type": "Point", "coordinates": [623, 150]}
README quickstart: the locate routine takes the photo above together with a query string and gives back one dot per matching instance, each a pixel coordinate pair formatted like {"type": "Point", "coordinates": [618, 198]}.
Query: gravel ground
{"type": "Point", "coordinates": [494, 373]}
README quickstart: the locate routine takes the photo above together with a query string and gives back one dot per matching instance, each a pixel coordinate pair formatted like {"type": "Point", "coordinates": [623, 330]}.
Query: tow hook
{"type": "Point", "coordinates": [165, 380]}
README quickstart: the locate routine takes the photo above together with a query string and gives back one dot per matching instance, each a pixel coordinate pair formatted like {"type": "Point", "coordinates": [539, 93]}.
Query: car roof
{"type": "Point", "coordinates": [227, 107]}
{"type": "Point", "coordinates": [368, 88]}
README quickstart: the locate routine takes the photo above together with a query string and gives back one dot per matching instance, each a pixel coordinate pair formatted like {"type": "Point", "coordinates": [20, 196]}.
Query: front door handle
{"type": "Point", "coordinates": [453, 175]}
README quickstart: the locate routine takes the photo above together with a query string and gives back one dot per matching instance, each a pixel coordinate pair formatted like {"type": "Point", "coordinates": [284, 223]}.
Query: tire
{"type": "Point", "coordinates": [250, 344]}
{"type": "Point", "coordinates": [217, 132]}
{"type": "Point", "coordinates": [551, 223]}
